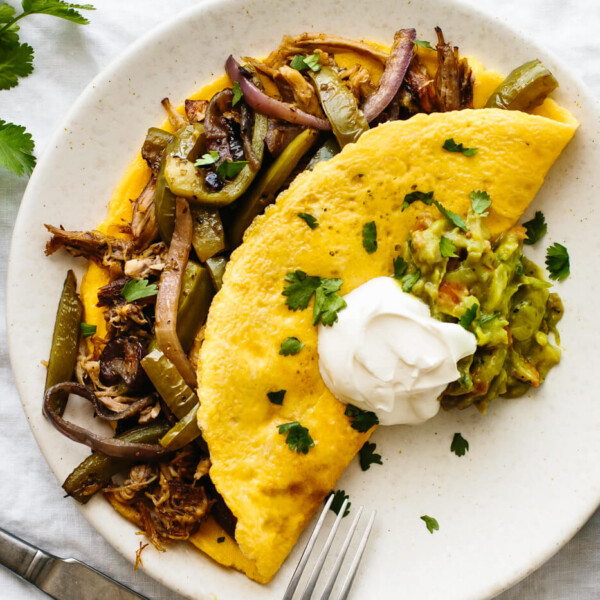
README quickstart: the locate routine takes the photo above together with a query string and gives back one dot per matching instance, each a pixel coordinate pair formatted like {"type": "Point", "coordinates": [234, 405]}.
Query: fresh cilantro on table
{"type": "Point", "coordinates": [557, 262]}
{"type": "Point", "coordinates": [431, 523]}
{"type": "Point", "coordinates": [301, 63]}
{"type": "Point", "coordinates": [136, 289]}
{"type": "Point", "coordinates": [536, 228]}
{"type": "Point", "coordinates": [276, 397]}
{"type": "Point", "coordinates": [298, 438]}
{"type": "Point", "coordinates": [400, 267]}
{"type": "Point", "coordinates": [237, 93]}
{"type": "Point", "coordinates": [426, 197]}
{"type": "Point", "coordinates": [369, 237]}
{"type": "Point", "coordinates": [16, 60]}
{"type": "Point", "coordinates": [87, 330]}
{"type": "Point", "coordinates": [423, 44]}
{"type": "Point", "coordinates": [310, 220]}
{"type": "Point", "coordinates": [409, 280]}
{"type": "Point", "coordinates": [452, 146]}
{"type": "Point", "coordinates": [210, 158]}
{"type": "Point", "coordinates": [361, 420]}
{"type": "Point", "coordinates": [16, 147]}
{"type": "Point", "coordinates": [367, 456]}
{"type": "Point", "coordinates": [451, 216]}
{"type": "Point", "coordinates": [339, 496]}
{"type": "Point", "coordinates": [290, 346]}
{"type": "Point", "coordinates": [459, 445]}
{"type": "Point", "coordinates": [447, 248]}
{"type": "Point", "coordinates": [468, 316]}
{"type": "Point", "coordinates": [229, 169]}
{"type": "Point", "coordinates": [480, 201]}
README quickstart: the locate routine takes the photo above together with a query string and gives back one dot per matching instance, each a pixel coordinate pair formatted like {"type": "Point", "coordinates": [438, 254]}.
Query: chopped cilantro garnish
{"type": "Point", "coordinates": [487, 318]}
{"type": "Point", "coordinates": [557, 262]}
{"type": "Point", "coordinates": [290, 346]}
{"type": "Point", "coordinates": [480, 201]}
{"type": "Point", "coordinates": [369, 237]}
{"type": "Point", "coordinates": [451, 216]}
{"type": "Point", "coordinates": [300, 63]}
{"type": "Point", "coordinates": [459, 445]}
{"type": "Point", "coordinates": [423, 44]}
{"type": "Point", "coordinates": [409, 280]}
{"type": "Point", "coordinates": [310, 220]}
{"type": "Point", "coordinates": [299, 289]}
{"type": "Point", "coordinates": [220, 540]}
{"type": "Point", "coordinates": [447, 248]}
{"type": "Point", "coordinates": [87, 330]}
{"type": "Point", "coordinates": [338, 501]}
{"type": "Point", "coordinates": [468, 316]}
{"type": "Point", "coordinates": [452, 146]}
{"type": "Point", "coordinates": [136, 289]}
{"type": "Point", "coordinates": [400, 267]}
{"type": "Point", "coordinates": [276, 397]}
{"type": "Point", "coordinates": [210, 158]}
{"type": "Point", "coordinates": [361, 420]}
{"type": "Point", "coordinates": [431, 523]}
{"type": "Point", "coordinates": [298, 438]}
{"type": "Point", "coordinates": [367, 456]}
{"type": "Point", "coordinates": [426, 197]}
{"type": "Point", "coordinates": [230, 169]}
{"type": "Point", "coordinates": [536, 228]}
{"type": "Point", "coordinates": [237, 93]}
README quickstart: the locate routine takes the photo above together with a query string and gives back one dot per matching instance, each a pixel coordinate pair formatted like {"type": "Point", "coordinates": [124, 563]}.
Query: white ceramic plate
{"type": "Point", "coordinates": [530, 479]}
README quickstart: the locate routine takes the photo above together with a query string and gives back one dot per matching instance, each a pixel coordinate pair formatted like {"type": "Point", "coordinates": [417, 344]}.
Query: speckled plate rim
{"type": "Point", "coordinates": [183, 569]}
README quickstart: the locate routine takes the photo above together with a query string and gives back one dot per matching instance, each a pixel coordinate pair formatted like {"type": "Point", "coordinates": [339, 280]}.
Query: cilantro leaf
{"type": "Point", "coordinates": [229, 169]}
{"type": "Point", "coordinates": [237, 93]}
{"type": "Point", "coordinates": [16, 60]}
{"type": "Point", "coordinates": [276, 397]}
{"type": "Point", "coordinates": [290, 346]}
{"type": "Point", "coordinates": [369, 237]}
{"type": "Point", "coordinates": [361, 420]}
{"type": "Point", "coordinates": [339, 496]}
{"type": "Point", "coordinates": [220, 540]}
{"type": "Point", "coordinates": [557, 262]}
{"type": "Point", "coordinates": [298, 438]}
{"type": "Point", "coordinates": [7, 13]}
{"type": "Point", "coordinates": [16, 147]}
{"type": "Point", "coordinates": [409, 280]}
{"type": "Point", "coordinates": [536, 228]}
{"type": "Point", "coordinates": [367, 456]}
{"type": "Point", "coordinates": [426, 197]}
{"type": "Point", "coordinates": [480, 201]}
{"type": "Point", "coordinates": [451, 216]}
{"type": "Point", "coordinates": [300, 63]}
{"type": "Point", "coordinates": [87, 330]}
{"type": "Point", "coordinates": [328, 302]}
{"type": "Point", "coordinates": [210, 158]}
{"type": "Point", "coordinates": [452, 146]}
{"type": "Point", "coordinates": [299, 289]}
{"type": "Point", "coordinates": [136, 289]}
{"type": "Point", "coordinates": [400, 267]}
{"type": "Point", "coordinates": [447, 248]}
{"type": "Point", "coordinates": [468, 316]}
{"type": "Point", "coordinates": [459, 445]}
{"type": "Point", "coordinates": [431, 523]}
{"type": "Point", "coordinates": [310, 220]}
{"type": "Point", "coordinates": [423, 44]}
{"type": "Point", "coordinates": [487, 318]}
{"type": "Point", "coordinates": [57, 8]}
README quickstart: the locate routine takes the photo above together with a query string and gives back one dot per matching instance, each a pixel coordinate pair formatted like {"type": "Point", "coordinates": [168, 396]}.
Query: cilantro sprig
{"type": "Point", "coordinates": [558, 262]}
{"type": "Point", "coordinates": [230, 169]}
{"type": "Point", "coordinates": [480, 201]}
{"type": "Point", "coordinates": [290, 346]}
{"type": "Point", "coordinates": [459, 445]}
{"type": "Point", "coordinates": [468, 316]}
{"type": "Point", "coordinates": [339, 496]}
{"type": "Point", "coordinates": [409, 280]}
{"type": "Point", "coordinates": [423, 44]}
{"type": "Point", "coordinates": [136, 289]}
{"type": "Point", "coordinates": [400, 267]}
{"type": "Point", "coordinates": [361, 420]}
{"type": "Point", "coordinates": [367, 456]}
{"type": "Point", "coordinates": [310, 220]}
{"type": "Point", "coordinates": [451, 146]}
{"type": "Point", "coordinates": [276, 397]}
{"type": "Point", "coordinates": [447, 248]}
{"type": "Point", "coordinates": [301, 63]}
{"type": "Point", "coordinates": [237, 93]}
{"type": "Point", "coordinates": [208, 159]}
{"type": "Point", "coordinates": [536, 228]}
{"type": "Point", "coordinates": [369, 237]}
{"type": "Point", "coordinates": [427, 198]}
{"type": "Point", "coordinates": [298, 438]}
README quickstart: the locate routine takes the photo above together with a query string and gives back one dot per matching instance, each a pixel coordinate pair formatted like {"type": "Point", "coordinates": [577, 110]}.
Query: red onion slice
{"type": "Point", "coordinates": [266, 105]}
{"type": "Point", "coordinates": [393, 74]}
{"type": "Point", "coordinates": [169, 288]}
{"type": "Point", "coordinates": [109, 446]}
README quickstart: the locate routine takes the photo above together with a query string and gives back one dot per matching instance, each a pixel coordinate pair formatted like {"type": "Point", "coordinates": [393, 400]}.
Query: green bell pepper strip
{"type": "Point", "coordinates": [347, 120]}
{"type": "Point", "coordinates": [65, 339]}
{"type": "Point", "coordinates": [182, 433]}
{"type": "Point", "coordinates": [154, 146]}
{"type": "Point", "coordinates": [186, 180]}
{"type": "Point", "coordinates": [197, 292]}
{"type": "Point", "coordinates": [328, 150]}
{"type": "Point", "coordinates": [216, 267]}
{"type": "Point", "coordinates": [96, 471]}
{"type": "Point", "coordinates": [263, 192]}
{"type": "Point", "coordinates": [208, 237]}
{"type": "Point", "coordinates": [525, 88]}
{"type": "Point", "coordinates": [186, 143]}
{"type": "Point", "coordinates": [177, 395]}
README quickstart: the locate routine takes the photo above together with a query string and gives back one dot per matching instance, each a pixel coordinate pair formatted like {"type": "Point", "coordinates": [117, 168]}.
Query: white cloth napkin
{"type": "Point", "coordinates": [67, 56]}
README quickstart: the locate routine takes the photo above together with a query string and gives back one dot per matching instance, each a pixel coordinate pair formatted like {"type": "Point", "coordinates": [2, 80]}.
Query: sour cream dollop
{"type": "Point", "coordinates": [388, 355]}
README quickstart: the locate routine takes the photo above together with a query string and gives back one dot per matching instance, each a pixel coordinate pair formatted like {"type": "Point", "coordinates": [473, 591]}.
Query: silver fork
{"type": "Point", "coordinates": [312, 582]}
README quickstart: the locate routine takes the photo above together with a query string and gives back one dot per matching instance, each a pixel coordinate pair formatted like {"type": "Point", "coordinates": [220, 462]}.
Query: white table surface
{"type": "Point", "coordinates": [67, 56]}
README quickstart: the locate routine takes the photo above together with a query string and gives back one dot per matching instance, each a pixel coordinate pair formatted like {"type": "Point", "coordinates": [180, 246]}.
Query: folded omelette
{"type": "Point", "coordinates": [272, 490]}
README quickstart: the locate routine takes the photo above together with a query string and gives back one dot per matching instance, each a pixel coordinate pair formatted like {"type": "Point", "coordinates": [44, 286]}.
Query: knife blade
{"type": "Point", "coordinates": [60, 578]}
